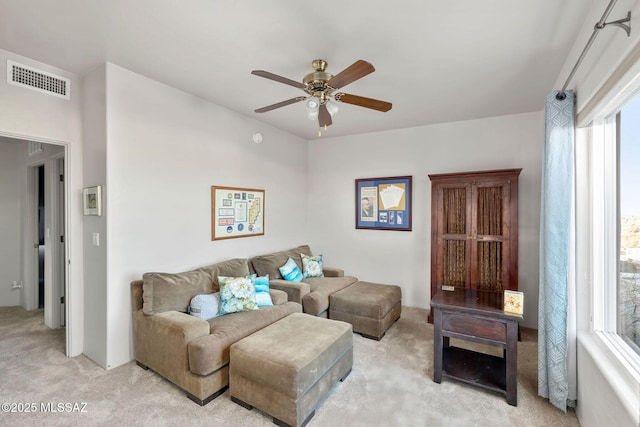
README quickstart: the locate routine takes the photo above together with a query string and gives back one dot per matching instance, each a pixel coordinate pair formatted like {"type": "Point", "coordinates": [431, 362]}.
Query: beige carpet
{"type": "Point", "coordinates": [391, 385]}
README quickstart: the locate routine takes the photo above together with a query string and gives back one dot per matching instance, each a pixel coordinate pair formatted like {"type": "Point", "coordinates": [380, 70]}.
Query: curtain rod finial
{"type": "Point", "coordinates": [561, 96]}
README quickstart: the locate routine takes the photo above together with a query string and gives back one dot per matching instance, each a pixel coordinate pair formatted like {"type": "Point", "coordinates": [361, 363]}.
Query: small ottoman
{"type": "Point", "coordinates": [288, 367]}
{"type": "Point", "coordinates": [370, 307]}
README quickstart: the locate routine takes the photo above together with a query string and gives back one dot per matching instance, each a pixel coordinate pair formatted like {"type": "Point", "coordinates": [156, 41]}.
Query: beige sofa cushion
{"type": "Point", "coordinates": [173, 291]}
{"type": "Point", "coordinates": [329, 285]}
{"type": "Point", "coordinates": [237, 267]}
{"type": "Point", "coordinates": [211, 352]}
{"type": "Point", "coordinates": [317, 301]}
{"type": "Point", "coordinates": [270, 263]}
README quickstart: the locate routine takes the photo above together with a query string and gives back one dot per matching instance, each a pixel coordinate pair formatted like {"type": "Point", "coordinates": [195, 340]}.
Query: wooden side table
{"type": "Point", "coordinates": [476, 316]}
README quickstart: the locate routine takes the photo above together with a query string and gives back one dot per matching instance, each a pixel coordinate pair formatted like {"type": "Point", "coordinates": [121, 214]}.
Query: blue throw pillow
{"type": "Point", "coordinates": [290, 271]}
{"type": "Point", "coordinates": [263, 297]}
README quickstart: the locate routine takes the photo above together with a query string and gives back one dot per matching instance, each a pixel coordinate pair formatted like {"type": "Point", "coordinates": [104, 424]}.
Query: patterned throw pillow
{"type": "Point", "coordinates": [263, 297]}
{"type": "Point", "coordinates": [205, 306]}
{"type": "Point", "coordinates": [290, 271]}
{"type": "Point", "coordinates": [312, 266]}
{"type": "Point", "coordinates": [236, 294]}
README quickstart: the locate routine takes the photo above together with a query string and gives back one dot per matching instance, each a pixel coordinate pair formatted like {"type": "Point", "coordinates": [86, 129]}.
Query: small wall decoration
{"type": "Point", "coordinates": [236, 212]}
{"type": "Point", "coordinates": [384, 203]}
{"type": "Point", "coordinates": [92, 200]}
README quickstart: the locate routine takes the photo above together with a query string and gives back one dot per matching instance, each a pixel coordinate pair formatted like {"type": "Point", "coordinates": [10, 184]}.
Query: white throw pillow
{"type": "Point", "coordinates": [205, 306]}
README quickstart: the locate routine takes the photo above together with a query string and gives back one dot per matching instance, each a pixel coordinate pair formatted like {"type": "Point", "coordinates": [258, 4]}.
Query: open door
{"type": "Point", "coordinates": [40, 235]}
{"type": "Point", "coordinates": [60, 272]}
{"type": "Point", "coordinates": [46, 271]}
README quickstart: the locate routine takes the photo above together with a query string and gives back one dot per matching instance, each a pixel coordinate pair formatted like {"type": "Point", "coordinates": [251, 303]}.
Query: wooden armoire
{"type": "Point", "coordinates": [474, 230]}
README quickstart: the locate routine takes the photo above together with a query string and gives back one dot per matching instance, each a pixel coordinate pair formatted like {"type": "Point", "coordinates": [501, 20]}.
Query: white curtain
{"type": "Point", "coordinates": [556, 309]}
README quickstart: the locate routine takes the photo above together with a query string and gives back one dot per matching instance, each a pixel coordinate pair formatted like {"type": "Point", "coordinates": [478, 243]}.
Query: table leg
{"type": "Point", "coordinates": [512, 363]}
{"type": "Point", "coordinates": [437, 345]}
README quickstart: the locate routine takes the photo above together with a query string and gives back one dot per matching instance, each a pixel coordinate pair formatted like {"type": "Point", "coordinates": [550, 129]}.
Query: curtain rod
{"type": "Point", "coordinates": [599, 26]}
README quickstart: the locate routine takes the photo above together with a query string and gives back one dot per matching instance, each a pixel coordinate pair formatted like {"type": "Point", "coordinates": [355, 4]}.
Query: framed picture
{"type": "Point", "coordinates": [92, 200]}
{"type": "Point", "coordinates": [513, 302]}
{"type": "Point", "coordinates": [236, 212]}
{"type": "Point", "coordinates": [384, 203]}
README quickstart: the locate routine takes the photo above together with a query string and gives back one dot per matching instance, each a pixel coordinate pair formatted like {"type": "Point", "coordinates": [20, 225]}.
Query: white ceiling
{"type": "Point", "coordinates": [436, 61]}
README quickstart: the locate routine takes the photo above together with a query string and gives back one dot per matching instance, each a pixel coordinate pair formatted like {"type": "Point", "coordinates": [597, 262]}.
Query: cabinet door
{"type": "Point", "coordinates": [490, 235]}
{"type": "Point", "coordinates": [453, 223]}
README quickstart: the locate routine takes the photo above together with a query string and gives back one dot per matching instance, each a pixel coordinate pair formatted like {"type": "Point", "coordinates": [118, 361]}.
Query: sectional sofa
{"type": "Point", "coordinates": [190, 352]}
{"type": "Point", "coordinates": [194, 354]}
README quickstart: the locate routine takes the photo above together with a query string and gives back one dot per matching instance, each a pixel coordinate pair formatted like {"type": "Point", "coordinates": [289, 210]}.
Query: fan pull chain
{"type": "Point", "coordinates": [320, 130]}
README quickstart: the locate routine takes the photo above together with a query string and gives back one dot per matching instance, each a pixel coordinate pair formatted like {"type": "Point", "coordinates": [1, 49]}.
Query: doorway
{"type": "Point", "coordinates": [53, 156]}
{"type": "Point", "coordinates": [42, 229]}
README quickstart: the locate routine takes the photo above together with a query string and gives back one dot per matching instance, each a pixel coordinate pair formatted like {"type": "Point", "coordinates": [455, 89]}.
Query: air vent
{"type": "Point", "coordinates": [38, 80]}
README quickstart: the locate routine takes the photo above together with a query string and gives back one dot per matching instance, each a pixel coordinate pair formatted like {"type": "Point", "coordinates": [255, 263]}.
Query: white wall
{"type": "Point", "coordinates": [403, 258]}
{"type": "Point", "coordinates": [95, 257]}
{"type": "Point", "coordinates": [27, 114]}
{"type": "Point", "coordinates": [605, 390]}
{"type": "Point", "coordinates": [164, 151]}
{"type": "Point", "coordinates": [9, 222]}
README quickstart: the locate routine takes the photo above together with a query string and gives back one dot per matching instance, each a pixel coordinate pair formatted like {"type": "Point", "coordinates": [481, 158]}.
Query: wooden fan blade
{"type": "Point", "coordinates": [280, 104]}
{"type": "Point", "coordinates": [324, 118]}
{"type": "Point", "coordinates": [355, 71]}
{"type": "Point", "coordinates": [361, 101]}
{"type": "Point", "coordinates": [271, 76]}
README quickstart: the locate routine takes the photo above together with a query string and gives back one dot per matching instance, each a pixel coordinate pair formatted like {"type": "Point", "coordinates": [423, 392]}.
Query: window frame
{"type": "Point", "coordinates": [605, 251]}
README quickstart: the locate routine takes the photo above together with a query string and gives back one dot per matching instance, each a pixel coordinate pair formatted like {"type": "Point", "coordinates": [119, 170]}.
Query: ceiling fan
{"type": "Point", "coordinates": [321, 87]}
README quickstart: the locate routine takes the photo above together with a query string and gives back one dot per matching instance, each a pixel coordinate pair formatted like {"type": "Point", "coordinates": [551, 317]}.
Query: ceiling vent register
{"type": "Point", "coordinates": [38, 80]}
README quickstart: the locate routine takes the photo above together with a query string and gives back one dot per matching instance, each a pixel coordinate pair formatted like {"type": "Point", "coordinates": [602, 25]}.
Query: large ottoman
{"type": "Point", "coordinates": [286, 368]}
{"type": "Point", "coordinates": [370, 307]}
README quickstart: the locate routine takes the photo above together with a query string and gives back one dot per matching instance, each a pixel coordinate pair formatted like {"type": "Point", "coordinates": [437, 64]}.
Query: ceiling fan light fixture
{"type": "Point", "coordinates": [313, 103]}
{"type": "Point", "coordinates": [332, 107]}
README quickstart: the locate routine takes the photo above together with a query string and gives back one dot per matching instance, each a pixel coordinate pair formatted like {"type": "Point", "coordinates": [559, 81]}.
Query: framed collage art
{"type": "Point", "coordinates": [384, 203]}
{"type": "Point", "coordinates": [236, 212]}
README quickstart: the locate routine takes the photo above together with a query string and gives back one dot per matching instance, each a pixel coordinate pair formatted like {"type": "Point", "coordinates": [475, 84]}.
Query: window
{"type": "Point", "coordinates": [628, 289]}
{"type": "Point", "coordinates": [615, 241]}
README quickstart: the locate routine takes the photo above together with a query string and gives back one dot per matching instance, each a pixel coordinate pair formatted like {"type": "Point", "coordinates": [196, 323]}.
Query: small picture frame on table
{"type": "Point", "coordinates": [92, 200]}
{"type": "Point", "coordinates": [513, 302]}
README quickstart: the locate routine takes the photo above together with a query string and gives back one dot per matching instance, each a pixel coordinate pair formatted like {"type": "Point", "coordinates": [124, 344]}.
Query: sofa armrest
{"type": "Point", "coordinates": [160, 341]}
{"type": "Point", "coordinates": [295, 290]}
{"type": "Point", "coordinates": [315, 302]}
{"type": "Point", "coordinates": [333, 272]}
{"type": "Point", "coordinates": [278, 297]}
